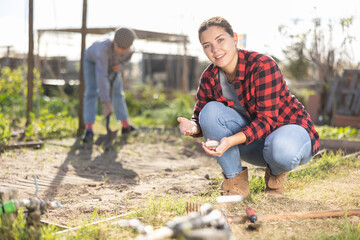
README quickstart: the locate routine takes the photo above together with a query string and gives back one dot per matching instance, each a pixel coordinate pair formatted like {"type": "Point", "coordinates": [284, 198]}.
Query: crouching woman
{"type": "Point", "coordinates": [244, 103]}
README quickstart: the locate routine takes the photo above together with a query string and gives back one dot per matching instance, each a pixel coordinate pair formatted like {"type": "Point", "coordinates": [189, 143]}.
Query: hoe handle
{"type": "Point", "coordinates": [108, 122]}
{"type": "Point", "coordinates": [313, 214]}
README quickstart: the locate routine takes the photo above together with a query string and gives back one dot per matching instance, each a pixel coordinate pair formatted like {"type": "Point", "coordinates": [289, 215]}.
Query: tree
{"type": "Point", "coordinates": [313, 54]}
{"type": "Point", "coordinates": [297, 65]}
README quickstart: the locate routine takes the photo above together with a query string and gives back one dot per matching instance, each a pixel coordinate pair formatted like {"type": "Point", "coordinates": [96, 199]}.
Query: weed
{"type": "Point", "coordinates": [157, 210]}
{"type": "Point", "coordinates": [338, 132]}
{"type": "Point", "coordinates": [5, 133]}
{"type": "Point", "coordinates": [104, 178]}
{"type": "Point", "coordinates": [218, 180]}
{"type": "Point", "coordinates": [15, 227]}
{"type": "Point", "coordinates": [257, 184]}
{"type": "Point", "coordinates": [319, 168]}
{"type": "Point", "coordinates": [348, 231]}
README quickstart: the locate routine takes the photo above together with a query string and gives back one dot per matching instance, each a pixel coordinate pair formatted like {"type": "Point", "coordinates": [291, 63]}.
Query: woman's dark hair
{"type": "Point", "coordinates": [216, 21]}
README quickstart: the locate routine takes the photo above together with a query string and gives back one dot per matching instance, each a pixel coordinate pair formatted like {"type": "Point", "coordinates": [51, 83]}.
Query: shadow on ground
{"type": "Point", "coordinates": [103, 167]}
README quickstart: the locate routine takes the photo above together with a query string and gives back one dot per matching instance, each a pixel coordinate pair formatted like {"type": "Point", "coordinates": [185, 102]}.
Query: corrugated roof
{"type": "Point", "coordinates": [141, 34]}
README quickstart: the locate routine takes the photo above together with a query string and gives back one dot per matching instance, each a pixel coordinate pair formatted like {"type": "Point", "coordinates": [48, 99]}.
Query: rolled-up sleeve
{"type": "Point", "coordinates": [101, 66]}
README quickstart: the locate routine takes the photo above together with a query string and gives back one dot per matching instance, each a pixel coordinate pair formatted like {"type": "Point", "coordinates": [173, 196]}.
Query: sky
{"type": "Point", "coordinates": [258, 19]}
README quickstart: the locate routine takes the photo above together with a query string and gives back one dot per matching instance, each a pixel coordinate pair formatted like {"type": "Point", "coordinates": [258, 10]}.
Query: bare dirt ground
{"type": "Point", "coordinates": [85, 179]}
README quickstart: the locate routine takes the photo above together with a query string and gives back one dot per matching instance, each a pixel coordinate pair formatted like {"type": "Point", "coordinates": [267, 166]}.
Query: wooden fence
{"type": "Point", "coordinates": [344, 100]}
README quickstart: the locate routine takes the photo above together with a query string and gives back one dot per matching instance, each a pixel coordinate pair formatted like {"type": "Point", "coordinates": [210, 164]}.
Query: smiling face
{"type": "Point", "coordinates": [220, 47]}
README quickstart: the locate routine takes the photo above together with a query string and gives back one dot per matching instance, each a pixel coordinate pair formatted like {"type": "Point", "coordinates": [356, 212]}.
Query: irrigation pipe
{"type": "Point", "coordinates": [93, 223]}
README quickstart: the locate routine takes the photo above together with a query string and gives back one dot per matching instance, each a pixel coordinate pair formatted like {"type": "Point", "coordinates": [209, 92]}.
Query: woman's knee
{"type": "Point", "coordinates": [282, 153]}
{"type": "Point", "coordinates": [210, 113]}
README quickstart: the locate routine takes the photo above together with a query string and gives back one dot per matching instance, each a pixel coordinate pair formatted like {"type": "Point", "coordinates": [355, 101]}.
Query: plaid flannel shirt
{"type": "Point", "coordinates": [262, 91]}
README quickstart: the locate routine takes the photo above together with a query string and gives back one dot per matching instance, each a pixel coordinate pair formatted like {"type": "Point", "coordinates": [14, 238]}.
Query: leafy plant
{"type": "Point", "coordinates": [50, 126]}
{"type": "Point", "coordinates": [5, 132]}
{"type": "Point", "coordinates": [145, 97]}
{"type": "Point", "coordinates": [12, 90]}
{"type": "Point", "coordinates": [166, 113]}
{"type": "Point", "coordinates": [257, 183]}
{"type": "Point", "coordinates": [56, 125]}
{"type": "Point", "coordinates": [338, 132]}
{"type": "Point", "coordinates": [31, 129]}
{"type": "Point", "coordinates": [14, 227]}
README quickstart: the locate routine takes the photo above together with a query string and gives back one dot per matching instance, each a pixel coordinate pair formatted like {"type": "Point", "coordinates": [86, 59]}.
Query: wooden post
{"type": "Point", "coordinates": [30, 75]}
{"type": "Point", "coordinates": [82, 86]}
{"type": "Point", "coordinates": [38, 69]}
{"type": "Point", "coordinates": [185, 72]}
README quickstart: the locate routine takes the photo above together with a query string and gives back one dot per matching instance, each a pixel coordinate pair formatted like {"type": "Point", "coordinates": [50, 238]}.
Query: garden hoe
{"type": "Point", "coordinates": [106, 140]}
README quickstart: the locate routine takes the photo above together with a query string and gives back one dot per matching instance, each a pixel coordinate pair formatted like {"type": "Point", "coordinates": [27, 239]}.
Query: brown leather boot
{"type": "Point", "coordinates": [238, 185]}
{"type": "Point", "coordinates": [274, 184]}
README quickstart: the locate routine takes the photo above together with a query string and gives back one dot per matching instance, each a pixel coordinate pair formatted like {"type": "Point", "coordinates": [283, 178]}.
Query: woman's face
{"type": "Point", "coordinates": [219, 46]}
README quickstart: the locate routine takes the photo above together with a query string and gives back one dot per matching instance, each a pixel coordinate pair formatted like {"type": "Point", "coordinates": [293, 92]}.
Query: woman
{"type": "Point", "coordinates": [244, 103]}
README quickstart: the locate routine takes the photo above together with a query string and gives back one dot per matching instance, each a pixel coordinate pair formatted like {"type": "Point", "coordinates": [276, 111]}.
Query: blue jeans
{"type": "Point", "coordinates": [91, 95]}
{"type": "Point", "coordinates": [283, 150]}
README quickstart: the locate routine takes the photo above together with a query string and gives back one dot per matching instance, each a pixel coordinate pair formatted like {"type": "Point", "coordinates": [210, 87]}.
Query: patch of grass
{"type": "Point", "coordinates": [88, 232]}
{"type": "Point", "coordinates": [15, 227]}
{"type": "Point", "coordinates": [156, 211]}
{"type": "Point", "coordinates": [319, 168]}
{"type": "Point", "coordinates": [348, 231]}
{"type": "Point", "coordinates": [257, 184]}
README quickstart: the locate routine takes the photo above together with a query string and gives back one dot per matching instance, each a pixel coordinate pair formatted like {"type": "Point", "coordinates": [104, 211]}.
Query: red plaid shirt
{"type": "Point", "coordinates": [262, 91]}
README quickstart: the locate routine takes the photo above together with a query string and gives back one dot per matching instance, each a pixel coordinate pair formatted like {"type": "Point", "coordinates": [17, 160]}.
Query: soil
{"type": "Point", "coordinates": [85, 179]}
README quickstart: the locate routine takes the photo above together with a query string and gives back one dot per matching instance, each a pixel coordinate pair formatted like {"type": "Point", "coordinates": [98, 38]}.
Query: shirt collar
{"type": "Point", "coordinates": [240, 72]}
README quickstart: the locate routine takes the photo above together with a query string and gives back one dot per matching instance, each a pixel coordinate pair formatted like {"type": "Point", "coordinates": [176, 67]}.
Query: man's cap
{"type": "Point", "coordinates": [124, 37]}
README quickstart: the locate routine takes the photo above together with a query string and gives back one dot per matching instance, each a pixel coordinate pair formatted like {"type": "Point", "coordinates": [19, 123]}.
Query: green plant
{"type": "Point", "coordinates": [50, 126]}
{"type": "Point", "coordinates": [320, 168]}
{"type": "Point", "coordinates": [31, 129]}
{"type": "Point", "coordinates": [5, 132]}
{"type": "Point", "coordinates": [165, 115]}
{"type": "Point", "coordinates": [56, 125]}
{"type": "Point", "coordinates": [302, 94]}
{"type": "Point", "coordinates": [183, 106]}
{"type": "Point", "coordinates": [14, 226]}
{"type": "Point", "coordinates": [257, 183]}
{"type": "Point", "coordinates": [348, 231]}
{"type": "Point", "coordinates": [158, 210]}
{"type": "Point", "coordinates": [145, 97]}
{"type": "Point", "coordinates": [12, 90]}
{"type": "Point", "coordinates": [338, 132]}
